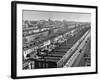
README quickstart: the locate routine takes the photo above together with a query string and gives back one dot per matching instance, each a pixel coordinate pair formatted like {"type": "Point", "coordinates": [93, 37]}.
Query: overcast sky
{"type": "Point", "coordinates": [68, 16]}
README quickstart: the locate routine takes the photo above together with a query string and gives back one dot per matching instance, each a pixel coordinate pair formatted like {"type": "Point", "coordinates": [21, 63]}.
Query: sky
{"type": "Point", "coordinates": [45, 15]}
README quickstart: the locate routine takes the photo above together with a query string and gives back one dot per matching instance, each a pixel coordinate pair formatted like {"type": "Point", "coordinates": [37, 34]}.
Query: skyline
{"type": "Point", "coordinates": [45, 15]}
